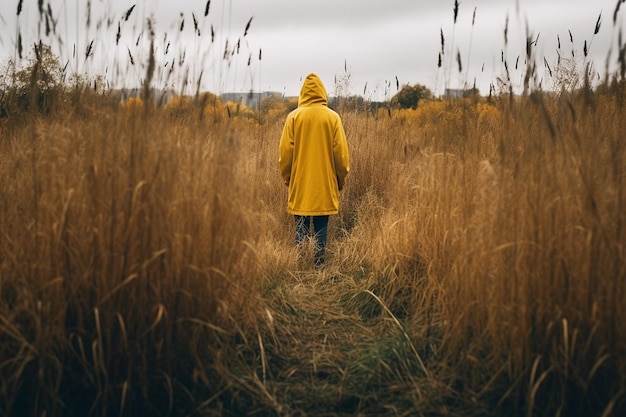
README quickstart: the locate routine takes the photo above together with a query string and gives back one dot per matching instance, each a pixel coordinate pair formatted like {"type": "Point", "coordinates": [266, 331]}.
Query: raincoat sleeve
{"type": "Point", "coordinates": [285, 158]}
{"type": "Point", "coordinates": [341, 155]}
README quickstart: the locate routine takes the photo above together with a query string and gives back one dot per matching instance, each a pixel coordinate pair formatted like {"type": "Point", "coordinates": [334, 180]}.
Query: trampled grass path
{"type": "Point", "coordinates": [337, 350]}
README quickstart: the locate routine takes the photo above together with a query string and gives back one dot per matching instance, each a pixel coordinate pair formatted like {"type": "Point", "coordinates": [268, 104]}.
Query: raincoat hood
{"type": "Point", "coordinates": [312, 92]}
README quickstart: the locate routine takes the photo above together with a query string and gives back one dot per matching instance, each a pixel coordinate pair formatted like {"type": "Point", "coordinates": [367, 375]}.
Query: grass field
{"type": "Point", "coordinates": [477, 266]}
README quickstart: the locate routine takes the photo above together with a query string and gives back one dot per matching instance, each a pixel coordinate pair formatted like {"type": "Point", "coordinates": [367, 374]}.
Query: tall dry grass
{"type": "Point", "coordinates": [147, 263]}
{"type": "Point", "coordinates": [127, 260]}
{"type": "Point", "coordinates": [540, 253]}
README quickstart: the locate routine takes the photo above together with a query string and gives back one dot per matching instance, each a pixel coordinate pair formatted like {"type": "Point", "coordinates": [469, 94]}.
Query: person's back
{"type": "Point", "coordinates": [313, 161]}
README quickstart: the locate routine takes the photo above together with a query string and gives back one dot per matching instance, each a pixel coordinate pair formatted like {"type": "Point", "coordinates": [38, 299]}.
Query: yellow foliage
{"type": "Point", "coordinates": [185, 106]}
{"type": "Point", "coordinates": [489, 117]}
{"type": "Point", "coordinates": [439, 113]}
{"type": "Point", "coordinates": [215, 111]}
{"type": "Point", "coordinates": [178, 103]}
{"type": "Point", "coordinates": [134, 105]}
{"type": "Point", "coordinates": [429, 110]}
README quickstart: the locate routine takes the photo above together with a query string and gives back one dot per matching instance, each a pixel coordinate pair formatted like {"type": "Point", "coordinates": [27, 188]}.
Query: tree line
{"type": "Point", "coordinates": [43, 85]}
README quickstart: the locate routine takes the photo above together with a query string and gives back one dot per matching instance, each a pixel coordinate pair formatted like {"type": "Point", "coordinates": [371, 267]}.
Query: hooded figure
{"type": "Point", "coordinates": [313, 162]}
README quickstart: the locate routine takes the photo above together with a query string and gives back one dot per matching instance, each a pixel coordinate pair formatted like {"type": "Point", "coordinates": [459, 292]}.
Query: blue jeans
{"type": "Point", "coordinates": [320, 232]}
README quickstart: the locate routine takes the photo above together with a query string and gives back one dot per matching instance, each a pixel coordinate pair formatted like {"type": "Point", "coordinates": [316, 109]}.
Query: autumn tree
{"type": "Point", "coordinates": [409, 96]}
{"type": "Point", "coordinates": [39, 85]}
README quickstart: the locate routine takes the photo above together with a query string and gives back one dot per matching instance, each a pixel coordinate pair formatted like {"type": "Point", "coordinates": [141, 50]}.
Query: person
{"type": "Point", "coordinates": [314, 162]}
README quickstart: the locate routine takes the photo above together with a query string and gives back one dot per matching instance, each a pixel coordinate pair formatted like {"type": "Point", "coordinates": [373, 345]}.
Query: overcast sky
{"type": "Point", "coordinates": [374, 42]}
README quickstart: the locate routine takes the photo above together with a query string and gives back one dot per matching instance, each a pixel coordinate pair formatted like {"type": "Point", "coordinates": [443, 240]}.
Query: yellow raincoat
{"type": "Point", "coordinates": [314, 157]}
